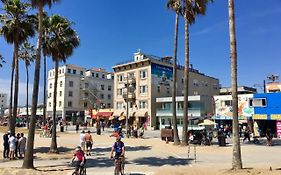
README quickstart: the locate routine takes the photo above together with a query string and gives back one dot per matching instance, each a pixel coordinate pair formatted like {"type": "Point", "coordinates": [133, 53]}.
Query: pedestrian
{"type": "Point", "coordinates": [268, 137]}
{"type": "Point", "coordinates": [102, 125]}
{"type": "Point", "coordinates": [82, 140]}
{"type": "Point", "coordinates": [12, 145]}
{"type": "Point", "coordinates": [89, 143]}
{"type": "Point", "coordinates": [6, 145]}
{"type": "Point", "coordinates": [21, 145]}
{"type": "Point", "coordinates": [17, 142]}
{"type": "Point", "coordinates": [77, 126]}
{"type": "Point", "coordinates": [247, 134]}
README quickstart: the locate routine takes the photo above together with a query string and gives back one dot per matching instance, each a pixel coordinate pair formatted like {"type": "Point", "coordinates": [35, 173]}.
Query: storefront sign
{"type": "Point", "coordinates": [278, 128]}
{"type": "Point", "coordinates": [260, 117]}
{"type": "Point", "coordinates": [275, 116]}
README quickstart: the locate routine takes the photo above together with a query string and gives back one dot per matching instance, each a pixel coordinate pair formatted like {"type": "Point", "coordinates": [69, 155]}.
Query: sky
{"type": "Point", "coordinates": [112, 31]}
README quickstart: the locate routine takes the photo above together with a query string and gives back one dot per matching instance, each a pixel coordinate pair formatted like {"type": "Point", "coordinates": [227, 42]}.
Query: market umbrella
{"type": "Point", "coordinates": [207, 122]}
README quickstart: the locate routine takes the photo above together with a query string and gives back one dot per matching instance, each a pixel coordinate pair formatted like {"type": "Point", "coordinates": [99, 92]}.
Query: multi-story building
{"type": "Point", "coordinates": [148, 77]}
{"type": "Point", "coordinates": [3, 103]}
{"type": "Point", "coordinates": [78, 90]}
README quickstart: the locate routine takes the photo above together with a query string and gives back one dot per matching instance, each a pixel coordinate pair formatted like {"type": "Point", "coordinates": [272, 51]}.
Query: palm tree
{"type": "Point", "coordinates": [2, 61]}
{"type": "Point", "coordinates": [28, 158]}
{"type": "Point", "coordinates": [236, 154]}
{"type": "Point", "coordinates": [61, 42]}
{"type": "Point", "coordinates": [16, 28]}
{"type": "Point", "coordinates": [175, 5]}
{"type": "Point", "coordinates": [191, 9]}
{"type": "Point", "coordinates": [27, 54]}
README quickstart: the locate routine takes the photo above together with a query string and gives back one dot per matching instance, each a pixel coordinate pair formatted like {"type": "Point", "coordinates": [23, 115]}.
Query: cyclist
{"type": "Point", "coordinates": [119, 149]}
{"type": "Point", "coordinates": [80, 159]}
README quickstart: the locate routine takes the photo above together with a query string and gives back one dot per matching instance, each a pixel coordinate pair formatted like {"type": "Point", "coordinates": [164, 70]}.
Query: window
{"type": "Point", "coordinates": [108, 105]}
{"type": "Point", "coordinates": [228, 102]}
{"type": "Point", "coordinates": [143, 105]}
{"type": "Point", "coordinates": [109, 88]}
{"type": "Point", "coordinates": [50, 95]}
{"type": "Point", "coordinates": [70, 83]}
{"type": "Point", "coordinates": [158, 89]}
{"type": "Point", "coordinates": [109, 96]}
{"type": "Point", "coordinates": [81, 73]}
{"type": "Point", "coordinates": [74, 71]}
{"type": "Point", "coordinates": [93, 74]}
{"type": "Point", "coordinates": [119, 105]}
{"type": "Point", "coordinates": [62, 70]}
{"type": "Point", "coordinates": [60, 83]}
{"type": "Point", "coordinates": [120, 78]}
{"type": "Point", "coordinates": [101, 96]}
{"type": "Point", "coordinates": [51, 85]}
{"type": "Point", "coordinates": [103, 76]}
{"type": "Point", "coordinates": [102, 87]}
{"type": "Point", "coordinates": [70, 104]}
{"type": "Point", "coordinates": [195, 82]}
{"type": "Point", "coordinates": [257, 102]}
{"type": "Point", "coordinates": [182, 80]}
{"type": "Point", "coordinates": [143, 89]}
{"type": "Point", "coordinates": [50, 104]}
{"type": "Point", "coordinates": [85, 104]}
{"type": "Point", "coordinates": [69, 71]}
{"type": "Point", "coordinates": [97, 75]}
{"type": "Point", "coordinates": [50, 74]}
{"type": "Point", "coordinates": [168, 90]}
{"type": "Point", "coordinates": [70, 93]}
{"type": "Point", "coordinates": [119, 91]}
{"type": "Point", "coordinates": [60, 93]}
{"type": "Point", "coordinates": [59, 71]}
{"type": "Point", "coordinates": [143, 73]}
{"type": "Point", "coordinates": [59, 103]}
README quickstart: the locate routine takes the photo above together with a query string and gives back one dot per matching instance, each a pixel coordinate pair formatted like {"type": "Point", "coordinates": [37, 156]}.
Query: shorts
{"type": "Point", "coordinates": [21, 150]}
{"type": "Point", "coordinates": [89, 144]}
{"type": "Point", "coordinates": [13, 148]}
{"type": "Point", "coordinates": [82, 145]}
{"type": "Point", "coordinates": [78, 165]}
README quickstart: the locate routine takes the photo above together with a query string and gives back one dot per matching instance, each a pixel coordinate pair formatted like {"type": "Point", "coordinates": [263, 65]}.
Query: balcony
{"type": "Point", "coordinates": [130, 80]}
{"type": "Point", "coordinates": [130, 95]}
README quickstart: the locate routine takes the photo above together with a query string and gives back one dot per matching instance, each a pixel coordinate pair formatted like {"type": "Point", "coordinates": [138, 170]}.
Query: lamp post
{"type": "Point", "coordinates": [127, 108]}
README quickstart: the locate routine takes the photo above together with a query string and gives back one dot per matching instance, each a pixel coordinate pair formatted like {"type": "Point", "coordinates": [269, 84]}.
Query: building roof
{"type": "Point", "coordinates": [240, 89]}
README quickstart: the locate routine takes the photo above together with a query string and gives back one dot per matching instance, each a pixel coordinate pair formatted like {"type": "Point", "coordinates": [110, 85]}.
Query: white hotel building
{"type": "Point", "coordinates": [78, 90]}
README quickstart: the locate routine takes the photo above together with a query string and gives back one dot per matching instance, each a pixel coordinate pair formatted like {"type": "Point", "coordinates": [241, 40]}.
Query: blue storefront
{"type": "Point", "coordinates": [267, 111]}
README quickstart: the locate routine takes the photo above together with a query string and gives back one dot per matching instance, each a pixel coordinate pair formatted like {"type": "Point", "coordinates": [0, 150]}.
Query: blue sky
{"type": "Point", "coordinates": [111, 31]}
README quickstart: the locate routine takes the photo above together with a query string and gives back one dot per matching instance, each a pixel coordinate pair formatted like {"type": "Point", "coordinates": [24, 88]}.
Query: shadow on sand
{"type": "Point", "coordinates": [156, 161]}
{"type": "Point", "coordinates": [127, 148]}
{"type": "Point", "coordinates": [46, 149]}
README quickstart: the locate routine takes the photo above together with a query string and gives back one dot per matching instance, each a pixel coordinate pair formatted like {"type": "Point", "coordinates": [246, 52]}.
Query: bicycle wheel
{"type": "Point", "coordinates": [83, 171]}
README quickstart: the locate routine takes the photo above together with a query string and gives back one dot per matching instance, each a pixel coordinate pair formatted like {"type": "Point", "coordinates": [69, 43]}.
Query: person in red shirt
{"type": "Point", "coordinates": [79, 155]}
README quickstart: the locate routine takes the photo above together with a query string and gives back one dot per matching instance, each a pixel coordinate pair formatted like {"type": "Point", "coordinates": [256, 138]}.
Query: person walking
{"type": "Point", "coordinates": [89, 143]}
{"type": "Point", "coordinates": [21, 145]}
{"type": "Point", "coordinates": [82, 140]}
{"type": "Point", "coordinates": [6, 145]}
{"type": "Point", "coordinates": [12, 146]}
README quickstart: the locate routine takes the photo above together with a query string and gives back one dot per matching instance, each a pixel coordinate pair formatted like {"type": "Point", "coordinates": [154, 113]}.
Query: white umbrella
{"type": "Point", "coordinates": [207, 122]}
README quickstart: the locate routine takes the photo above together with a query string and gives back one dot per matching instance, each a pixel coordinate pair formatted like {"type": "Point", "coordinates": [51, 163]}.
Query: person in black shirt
{"type": "Point", "coordinates": [6, 145]}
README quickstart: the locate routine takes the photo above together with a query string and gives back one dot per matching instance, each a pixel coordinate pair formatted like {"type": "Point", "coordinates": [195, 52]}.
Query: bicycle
{"type": "Point", "coordinates": [82, 170]}
{"type": "Point", "coordinates": [119, 166]}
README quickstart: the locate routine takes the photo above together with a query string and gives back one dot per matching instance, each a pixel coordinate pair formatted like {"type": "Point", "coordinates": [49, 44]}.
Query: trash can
{"type": "Point", "coordinates": [221, 139]}
{"type": "Point", "coordinates": [61, 128]}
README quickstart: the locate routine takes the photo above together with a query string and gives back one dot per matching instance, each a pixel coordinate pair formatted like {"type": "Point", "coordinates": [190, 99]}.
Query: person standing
{"type": "Point", "coordinates": [6, 145]}
{"type": "Point", "coordinates": [12, 145]}
{"type": "Point", "coordinates": [21, 145]}
{"type": "Point", "coordinates": [82, 140]}
{"type": "Point", "coordinates": [17, 143]}
{"type": "Point", "coordinates": [89, 143]}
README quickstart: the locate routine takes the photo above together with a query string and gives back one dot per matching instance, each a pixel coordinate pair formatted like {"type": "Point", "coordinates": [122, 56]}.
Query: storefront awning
{"type": "Point", "coordinates": [102, 115]}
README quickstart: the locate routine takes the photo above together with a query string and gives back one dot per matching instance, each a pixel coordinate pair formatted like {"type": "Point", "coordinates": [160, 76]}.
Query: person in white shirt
{"type": "Point", "coordinates": [82, 140]}
{"type": "Point", "coordinates": [12, 145]}
{"type": "Point", "coordinates": [21, 145]}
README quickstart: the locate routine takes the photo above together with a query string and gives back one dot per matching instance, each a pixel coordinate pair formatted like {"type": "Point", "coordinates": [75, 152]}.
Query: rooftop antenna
{"type": "Point", "coordinates": [272, 78]}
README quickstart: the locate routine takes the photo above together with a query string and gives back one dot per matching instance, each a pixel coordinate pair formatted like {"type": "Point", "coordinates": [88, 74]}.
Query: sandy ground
{"type": "Point", "coordinates": [147, 156]}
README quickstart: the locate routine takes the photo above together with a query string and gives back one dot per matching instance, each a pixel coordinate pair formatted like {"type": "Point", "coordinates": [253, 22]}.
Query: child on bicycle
{"type": "Point", "coordinates": [119, 149]}
{"type": "Point", "coordinates": [79, 155]}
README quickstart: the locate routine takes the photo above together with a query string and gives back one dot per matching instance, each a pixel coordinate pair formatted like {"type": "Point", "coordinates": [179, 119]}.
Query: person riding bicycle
{"type": "Point", "coordinates": [119, 149]}
{"type": "Point", "coordinates": [80, 159]}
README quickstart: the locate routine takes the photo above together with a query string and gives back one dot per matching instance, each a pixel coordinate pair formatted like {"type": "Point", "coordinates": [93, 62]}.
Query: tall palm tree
{"type": "Point", "coordinates": [61, 42]}
{"type": "Point", "coordinates": [2, 61]}
{"type": "Point", "coordinates": [16, 28]}
{"type": "Point", "coordinates": [27, 54]}
{"type": "Point", "coordinates": [236, 154]}
{"type": "Point", "coordinates": [175, 5]}
{"type": "Point", "coordinates": [191, 8]}
{"type": "Point", "coordinates": [28, 158]}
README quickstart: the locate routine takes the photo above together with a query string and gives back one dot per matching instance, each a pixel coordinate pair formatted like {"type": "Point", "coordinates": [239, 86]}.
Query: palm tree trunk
{"type": "Point", "coordinates": [11, 121]}
{"type": "Point", "coordinates": [176, 135]}
{"type": "Point", "coordinates": [186, 78]}
{"type": "Point", "coordinates": [27, 115]}
{"type": "Point", "coordinates": [236, 157]}
{"type": "Point", "coordinates": [44, 93]}
{"type": "Point", "coordinates": [28, 158]}
{"type": "Point", "coordinates": [53, 148]}
{"type": "Point", "coordinates": [15, 108]}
